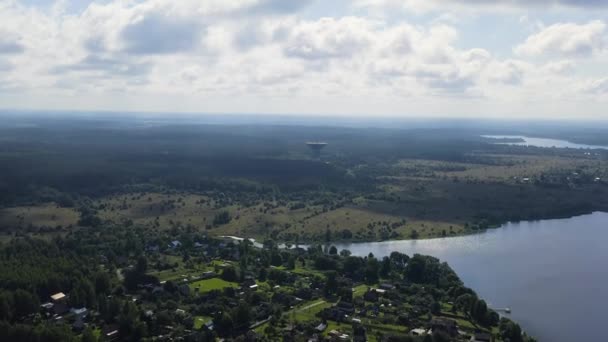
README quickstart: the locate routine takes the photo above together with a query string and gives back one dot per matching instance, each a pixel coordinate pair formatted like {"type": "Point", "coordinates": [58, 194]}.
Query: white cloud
{"type": "Point", "coordinates": [9, 45]}
{"type": "Point", "coordinates": [423, 6]}
{"type": "Point", "coordinates": [329, 38]}
{"type": "Point", "coordinates": [559, 67]}
{"type": "Point", "coordinates": [202, 55]}
{"type": "Point", "coordinates": [508, 72]}
{"type": "Point", "coordinates": [567, 39]}
{"type": "Point", "coordinates": [596, 87]}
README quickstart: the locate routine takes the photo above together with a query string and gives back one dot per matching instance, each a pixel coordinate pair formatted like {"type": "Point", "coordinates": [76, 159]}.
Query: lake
{"type": "Point", "coordinates": [542, 142]}
{"type": "Point", "coordinates": [553, 274]}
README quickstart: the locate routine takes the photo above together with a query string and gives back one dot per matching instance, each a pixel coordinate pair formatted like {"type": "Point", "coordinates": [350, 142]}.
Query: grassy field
{"type": "Point", "coordinates": [164, 211]}
{"type": "Point", "coordinates": [45, 215]}
{"type": "Point", "coordinates": [414, 199]}
{"type": "Point", "coordinates": [207, 285]}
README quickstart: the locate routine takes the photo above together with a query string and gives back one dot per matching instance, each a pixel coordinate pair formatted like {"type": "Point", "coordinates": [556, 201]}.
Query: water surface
{"type": "Point", "coordinates": [553, 274]}
{"type": "Point", "coordinates": [542, 142]}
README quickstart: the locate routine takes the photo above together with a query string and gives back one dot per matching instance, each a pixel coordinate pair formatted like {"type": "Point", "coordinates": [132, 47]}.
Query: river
{"type": "Point", "coordinates": [553, 274]}
{"type": "Point", "coordinates": [542, 142]}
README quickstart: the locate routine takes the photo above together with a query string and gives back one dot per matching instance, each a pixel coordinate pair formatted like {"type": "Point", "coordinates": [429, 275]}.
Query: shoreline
{"type": "Point", "coordinates": [282, 244]}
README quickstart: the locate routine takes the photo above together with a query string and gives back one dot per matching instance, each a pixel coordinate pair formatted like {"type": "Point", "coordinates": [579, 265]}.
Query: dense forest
{"type": "Point", "coordinates": [395, 179]}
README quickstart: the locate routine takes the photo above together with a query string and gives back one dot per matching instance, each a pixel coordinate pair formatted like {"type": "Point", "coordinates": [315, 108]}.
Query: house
{"type": "Point", "coordinates": [209, 325]}
{"type": "Point", "coordinates": [253, 287]}
{"type": "Point", "coordinates": [380, 291]}
{"type": "Point", "coordinates": [418, 332]}
{"type": "Point", "coordinates": [58, 297]}
{"type": "Point", "coordinates": [110, 333]}
{"type": "Point", "coordinates": [47, 307]}
{"type": "Point", "coordinates": [321, 327]}
{"type": "Point", "coordinates": [79, 316]}
{"type": "Point", "coordinates": [175, 244]}
{"type": "Point", "coordinates": [481, 337]}
{"type": "Point", "coordinates": [387, 286]}
{"type": "Point", "coordinates": [79, 313]}
{"type": "Point", "coordinates": [336, 335]}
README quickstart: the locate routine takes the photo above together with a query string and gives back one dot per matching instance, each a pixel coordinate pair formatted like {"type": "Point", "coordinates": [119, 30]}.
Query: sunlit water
{"type": "Point", "coordinates": [553, 274]}
{"type": "Point", "coordinates": [542, 142]}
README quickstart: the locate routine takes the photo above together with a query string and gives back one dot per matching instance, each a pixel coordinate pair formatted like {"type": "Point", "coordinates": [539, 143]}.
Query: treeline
{"type": "Point", "coordinates": [32, 270]}
{"type": "Point", "coordinates": [78, 159]}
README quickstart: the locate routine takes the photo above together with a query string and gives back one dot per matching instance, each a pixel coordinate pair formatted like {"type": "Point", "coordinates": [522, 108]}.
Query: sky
{"type": "Point", "coordinates": [537, 59]}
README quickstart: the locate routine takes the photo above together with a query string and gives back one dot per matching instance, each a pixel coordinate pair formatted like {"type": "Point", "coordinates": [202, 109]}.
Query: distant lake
{"type": "Point", "coordinates": [553, 274]}
{"type": "Point", "coordinates": [541, 142]}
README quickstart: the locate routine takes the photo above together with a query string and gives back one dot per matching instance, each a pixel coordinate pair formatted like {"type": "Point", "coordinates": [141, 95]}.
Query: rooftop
{"type": "Point", "coordinates": [58, 296]}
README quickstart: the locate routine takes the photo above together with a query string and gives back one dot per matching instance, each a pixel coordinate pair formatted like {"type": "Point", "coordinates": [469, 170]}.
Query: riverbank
{"type": "Point", "coordinates": [465, 233]}
{"type": "Point", "coordinates": [536, 268]}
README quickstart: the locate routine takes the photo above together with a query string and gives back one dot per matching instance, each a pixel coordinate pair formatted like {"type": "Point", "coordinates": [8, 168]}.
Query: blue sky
{"type": "Point", "coordinates": [430, 58]}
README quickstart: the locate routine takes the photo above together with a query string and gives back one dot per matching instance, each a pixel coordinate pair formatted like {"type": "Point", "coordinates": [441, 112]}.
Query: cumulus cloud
{"type": "Point", "coordinates": [159, 34]}
{"type": "Point", "coordinates": [329, 38]}
{"type": "Point", "coordinates": [265, 51]}
{"type": "Point", "coordinates": [101, 66]}
{"type": "Point", "coordinates": [530, 3]}
{"type": "Point", "coordinates": [420, 6]}
{"type": "Point", "coordinates": [10, 46]}
{"type": "Point", "coordinates": [559, 67]}
{"type": "Point", "coordinates": [566, 39]}
{"type": "Point", "coordinates": [277, 6]}
{"type": "Point", "coordinates": [596, 87]}
{"type": "Point", "coordinates": [508, 72]}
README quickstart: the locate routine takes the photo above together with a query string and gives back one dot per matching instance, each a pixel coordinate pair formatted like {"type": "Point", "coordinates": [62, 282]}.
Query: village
{"type": "Point", "coordinates": [221, 289]}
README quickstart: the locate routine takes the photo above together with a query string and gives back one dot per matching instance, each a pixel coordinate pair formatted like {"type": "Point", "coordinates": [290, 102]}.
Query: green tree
{"type": "Point", "coordinates": [142, 265]}
{"type": "Point", "coordinates": [25, 303]}
{"type": "Point", "coordinates": [6, 303]}
{"type": "Point", "coordinates": [88, 336]}
{"type": "Point", "coordinates": [331, 282]}
{"type": "Point", "coordinates": [230, 274]}
{"type": "Point", "coordinates": [221, 218]}
{"type": "Point", "coordinates": [371, 270]}
{"type": "Point", "coordinates": [291, 262]}
{"type": "Point", "coordinates": [102, 283]}
{"type": "Point", "coordinates": [385, 267]}
{"type": "Point", "coordinates": [510, 331]}
{"type": "Point", "coordinates": [333, 250]}
{"type": "Point", "coordinates": [345, 253]}
{"type": "Point", "coordinates": [242, 315]}
{"type": "Point", "coordinates": [263, 274]}
{"type": "Point", "coordinates": [223, 324]}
